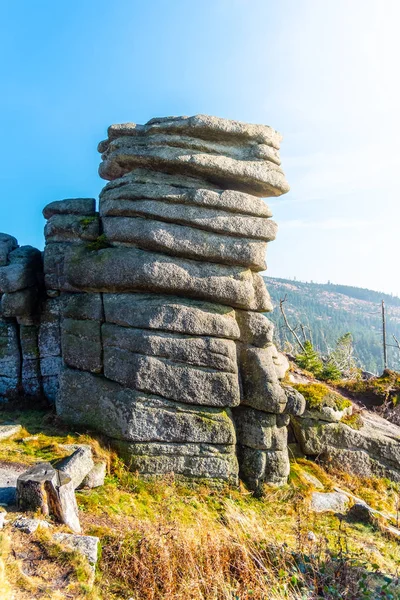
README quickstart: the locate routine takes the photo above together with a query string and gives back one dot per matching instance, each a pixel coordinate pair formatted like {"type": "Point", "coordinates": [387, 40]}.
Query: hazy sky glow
{"type": "Point", "coordinates": [323, 72]}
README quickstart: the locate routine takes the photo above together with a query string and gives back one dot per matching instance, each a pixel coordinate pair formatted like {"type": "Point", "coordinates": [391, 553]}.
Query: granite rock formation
{"type": "Point", "coordinates": [152, 328]}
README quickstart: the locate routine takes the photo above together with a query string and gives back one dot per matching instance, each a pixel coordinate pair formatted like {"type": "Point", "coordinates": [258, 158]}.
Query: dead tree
{"type": "Point", "coordinates": [385, 362]}
{"type": "Point", "coordinates": [289, 327]}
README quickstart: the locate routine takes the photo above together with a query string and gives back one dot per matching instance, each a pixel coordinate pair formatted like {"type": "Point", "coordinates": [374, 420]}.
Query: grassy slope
{"type": "Point", "coordinates": [165, 540]}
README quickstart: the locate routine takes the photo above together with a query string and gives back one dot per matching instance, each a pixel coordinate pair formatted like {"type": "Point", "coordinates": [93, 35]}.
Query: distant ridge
{"type": "Point", "coordinates": [330, 310]}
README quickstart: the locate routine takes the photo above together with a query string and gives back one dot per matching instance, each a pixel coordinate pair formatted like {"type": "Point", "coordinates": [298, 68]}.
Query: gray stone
{"type": "Point", "coordinates": [43, 488]}
{"type": "Point", "coordinates": [296, 403]}
{"type": "Point", "coordinates": [311, 479]}
{"type": "Point", "coordinates": [10, 357]}
{"type": "Point", "coordinates": [259, 467]}
{"type": "Point", "coordinates": [50, 366]}
{"type": "Point", "coordinates": [105, 406]}
{"type": "Point", "coordinates": [81, 344]}
{"type": "Point", "coordinates": [329, 502]}
{"type": "Point", "coordinates": [280, 361]}
{"type": "Point", "coordinates": [327, 413]}
{"type": "Point", "coordinates": [361, 513]}
{"type": "Point", "coordinates": [117, 197]}
{"type": "Point", "coordinates": [205, 126]}
{"type": "Point", "coordinates": [9, 473]}
{"type": "Point", "coordinates": [169, 313]}
{"type": "Point", "coordinates": [7, 244]}
{"type": "Point", "coordinates": [187, 242]}
{"type": "Point", "coordinates": [7, 430]}
{"type": "Point", "coordinates": [4, 252]}
{"type": "Point", "coordinates": [27, 525]}
{"type": "Point", "coordinates": [87, 545]}
{"type": "Point", "coordinates": [261, 389]}
{"type": "Point", "coordinates": [70, 206]}
{"type": "Point", "coordinates": [49, 339]}
{"type": "Point", "coordinates": [20, 304]}
{"type": "Point", "coordinates": [191, 461]}
{"type": "Point", "coordinates": [372, 449]}
{"type": "Point", "coordinates": [259, 430]}
{"type": "Point", "coordinates": [30, 373]}
{"type": "Point", "coordinates": [8, 386]}
{"type": "Point", "coordinates": [54, 258]}
{"type": "Point", "coordinates": [50, 385]}
{"type": "Point", "coordinates": [208, 219]}
{"type": "Point", "coordinates": [71, 228]}
{"type": "Point", "coordinates": [77, 465]}
{"type": "Point", "coordinates": [16, 277]}
{"type": "Point", "coordinates": [84, 306]}
{"type": "Point", "coordinates": [9, 240]}
{"type": "Point", "coordinates": [201, 146]}
{"type": "Point", "coordinates": [28, 256]}
{"type": "Point", "coordinates": [95, 478]}
{"type": "Point", "coordinates": [197, 351]}
{"type": "Point", "coordinates": [131, 269]}
{"type": "Point", "coordinates": [170, 379]}
{"type": "Point", "coordinates": [255, 328]}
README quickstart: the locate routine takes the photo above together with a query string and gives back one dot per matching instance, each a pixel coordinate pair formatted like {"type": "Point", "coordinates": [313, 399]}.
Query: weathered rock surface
{"type": "Point", "coordinates": [27, 525]}
{"type": "Point", "coordinates": [8, 430]}
{"type": "Point", "coordinates": [170, 379]}
{"type": "Point", "coordinates": [231, 154]}
{"type": "Point", "coordinates": [374, 449]}
{"type": "Point", "coordinates": [197, 218]}
{"type": "Point", "coordinates": [261, 388]}
{"type": "Point", "coordinates": [9, 473]}
{"type": "Point", "coordinates": [134, 270]}
{"type": "Point", "coordinates": [135, 416]}
{"type": "Point", "coordinates": [96, 476]}
{"type": "Point", "coordinates": [192, 461]}
{"type": "Point", "coordinates": [119, 196]}
{"type": "Point", "coordinates": [169, 313]}
{"type": "Point", "coordinates": [72, 206]}
{"type": "Point", "coordinates": [81, 344]}
{"type": "Point", "coordinates": [15, 277]}
{"type": "Point", "coordinates": [87, 545]}
{"type": "Point", "coordinates": [329, 501]}
{"type": "Point", "coordinates": [186, 242]}
{"type": "Point", "coordinates": [78, 465]}
{"type": "Point", "coordinates": [10, 358]}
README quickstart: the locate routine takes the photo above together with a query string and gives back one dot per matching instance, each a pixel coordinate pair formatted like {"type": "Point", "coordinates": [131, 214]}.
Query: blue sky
{"type": "Point", "coordinates": [324, 73]}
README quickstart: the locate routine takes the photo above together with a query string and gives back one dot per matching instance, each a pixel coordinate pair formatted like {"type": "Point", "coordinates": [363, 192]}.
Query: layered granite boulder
{"type": "Point", "coordinates": [21, 282]}
{"type": "Point", "coordinates": [152, 327]}
{"type": "Point", "coordinates": [164, 344]}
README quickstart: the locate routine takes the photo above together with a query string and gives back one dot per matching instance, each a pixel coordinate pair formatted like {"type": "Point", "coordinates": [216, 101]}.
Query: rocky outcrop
{"type": "Point", "coordinates": [21, 281]}
{"type": "Point", "coordinates": [152, 328]}
{"type": "Point", "coordinates": [371, 447]}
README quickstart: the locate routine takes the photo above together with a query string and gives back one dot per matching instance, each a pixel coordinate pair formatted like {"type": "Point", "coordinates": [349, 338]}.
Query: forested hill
{"type": "Point", "coordinates": [331, 310]}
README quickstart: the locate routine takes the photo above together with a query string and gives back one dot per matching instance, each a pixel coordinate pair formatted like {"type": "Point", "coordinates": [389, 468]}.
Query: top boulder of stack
{"type": "Point", "coordinates": [228, 154]}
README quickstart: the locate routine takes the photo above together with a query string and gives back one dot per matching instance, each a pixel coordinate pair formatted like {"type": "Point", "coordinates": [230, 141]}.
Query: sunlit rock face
{"type": "Point", "coordinates": [153, 329]}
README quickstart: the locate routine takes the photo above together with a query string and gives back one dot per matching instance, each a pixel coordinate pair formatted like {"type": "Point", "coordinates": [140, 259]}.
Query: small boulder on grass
{"type": "Point", "coordinates": [329, 502]}
{"type": "Point", "coordinates": [30, 525]}
{"type": "Point", "coordinates": [87, 545]}
{"type": "Point", "coordinates": [78, 465]}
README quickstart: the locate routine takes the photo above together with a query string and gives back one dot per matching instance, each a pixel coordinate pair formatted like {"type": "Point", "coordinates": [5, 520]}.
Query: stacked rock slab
{"type": "Point", "coordinates": [70, 223]}
{"type": "Point", "coordinates": [21, 281]}
{"type": "Point", "coordinates": [163, 340]}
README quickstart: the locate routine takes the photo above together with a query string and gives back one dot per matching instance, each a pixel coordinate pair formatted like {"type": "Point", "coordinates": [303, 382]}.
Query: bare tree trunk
{"type": "Point", "coordinates": [385, 362]}
{"type": "Point", "coordinates": [292, 331]}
